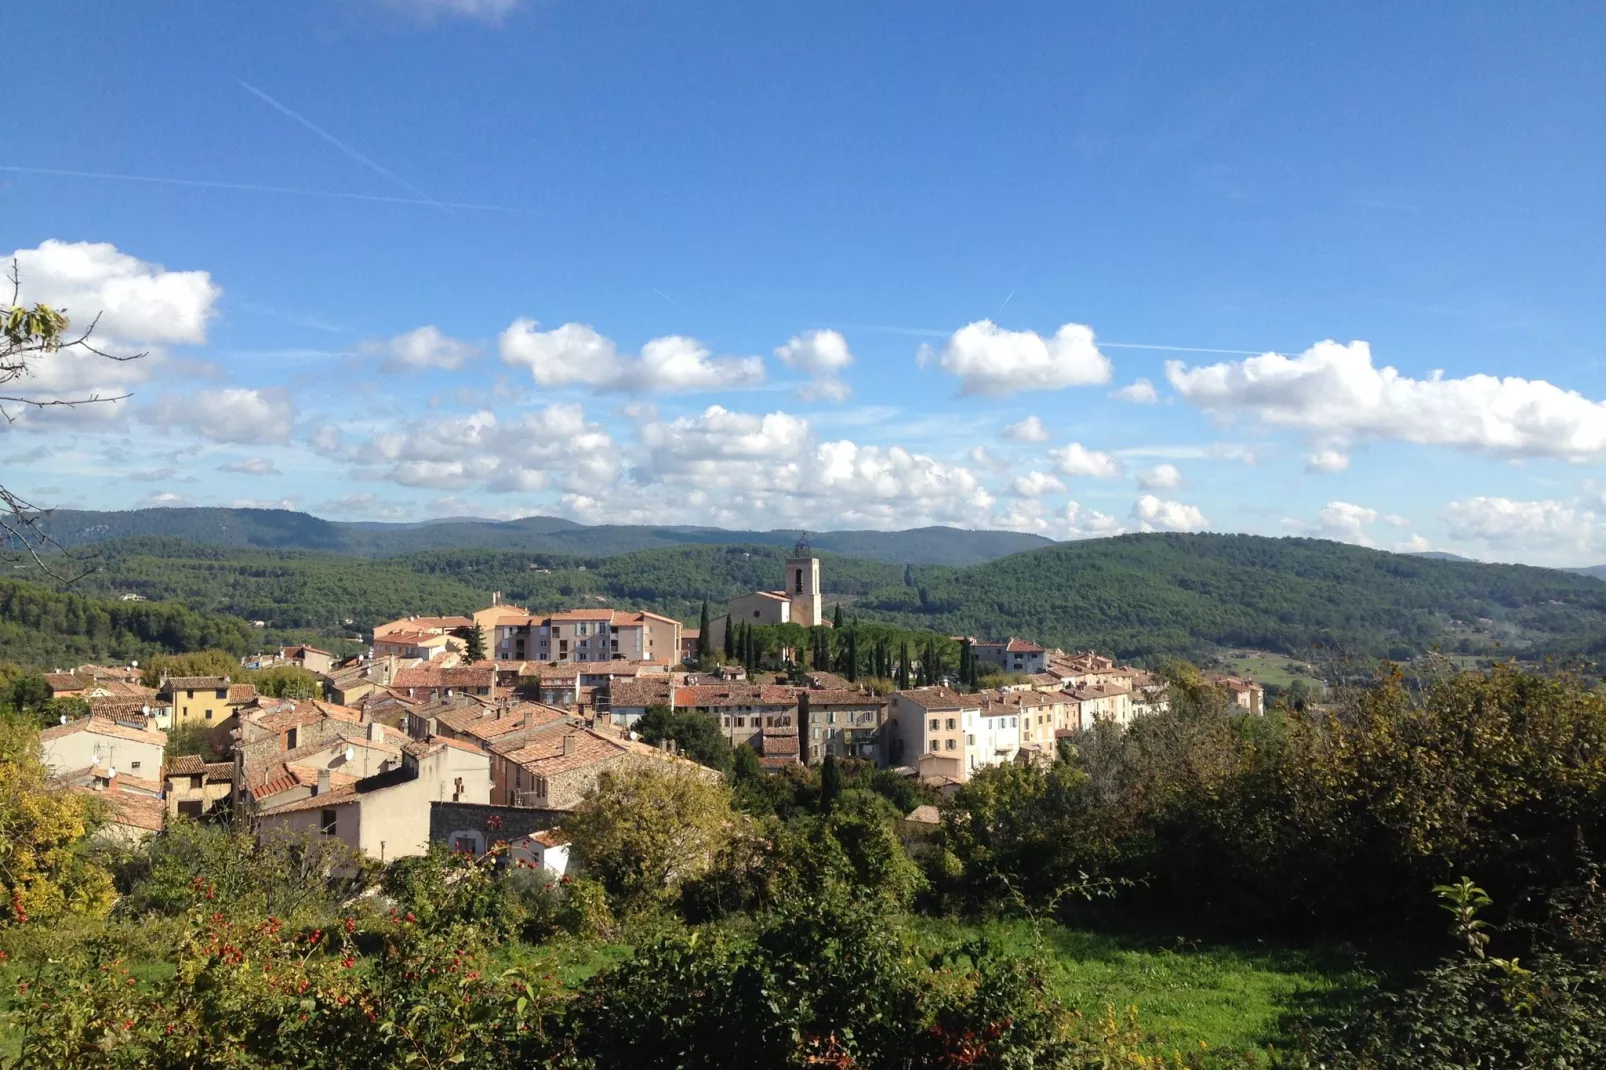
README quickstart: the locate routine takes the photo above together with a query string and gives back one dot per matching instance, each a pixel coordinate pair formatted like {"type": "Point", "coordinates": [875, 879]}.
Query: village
{"type": "Point", "coordinates": [472, 730]}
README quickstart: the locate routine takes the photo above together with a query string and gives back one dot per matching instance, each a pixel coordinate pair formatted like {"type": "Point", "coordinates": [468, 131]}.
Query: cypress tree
{"type": "Point", "coordinates": [966, 660]}
{"type": "Point", "coordinates": [836, 618]}
{"type": "Point", "coordinates": [853, 656]}
{"type": "Point", "coordinates": [702, 634]}
{"type": "Point", "coordinates": [730, 641]}
{"type": "Point", "coordinates": [830, 783]}
{"type": "Point", "coordinates": [903, 666]}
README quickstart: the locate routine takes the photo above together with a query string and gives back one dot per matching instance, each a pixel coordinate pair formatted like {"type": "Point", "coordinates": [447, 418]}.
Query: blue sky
{"type": "Point", "coordinates": [829, 265]}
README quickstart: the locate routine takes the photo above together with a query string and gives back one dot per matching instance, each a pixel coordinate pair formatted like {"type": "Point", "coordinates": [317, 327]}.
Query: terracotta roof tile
{"type": "Point", "coordinates": [100, 726]}
{"type": "Point", "coordinates": [196, 683]}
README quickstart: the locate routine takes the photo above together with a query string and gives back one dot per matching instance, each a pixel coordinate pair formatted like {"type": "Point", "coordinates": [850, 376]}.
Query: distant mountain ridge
{"type": "Point", "coordinates": [282, 529]}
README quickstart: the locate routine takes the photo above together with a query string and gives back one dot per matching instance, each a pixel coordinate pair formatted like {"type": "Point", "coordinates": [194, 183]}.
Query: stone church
{"type": "Point", "coordinates": [797, 602]}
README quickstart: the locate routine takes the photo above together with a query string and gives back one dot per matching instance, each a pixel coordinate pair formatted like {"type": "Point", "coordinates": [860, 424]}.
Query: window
{"type": "Point", "coordinates": [133, 765]}
{"type": "Point", "coordinates": [830, 718]}
{"type": "Point", "coordinates": [741, 722]}
{"type": "Point", "coordinates": [950, 724]}
{"type": "Point", "coordinates": [190, 809]}
{"type": "Point", "coordinates": [189, 694]}
{"type": "Point", "coordinates": [799, 586]}
{"type": "Point", "coordinates": [950, 744]}
{"type": "Point", "coordinates": [208, 715]}
{"type": "Point", "coordinates": [195, 782]}
{"type": "Point", "coordinates": [290, 740]}
{"type": "Point", "coordinates": [970, 741]}
{"type": "Point", "coordinates": [936, 745]}
{"type": "Point", "coordinates": [222, 692]}
{"type": "Point", "coordinates": [755, 612]}
{"type": "Point", "coordinates": [727, 721]}
{"type": "Point", "coordinates": [936, 724]}
{"type": "Point", "coordinates": [326, 822]}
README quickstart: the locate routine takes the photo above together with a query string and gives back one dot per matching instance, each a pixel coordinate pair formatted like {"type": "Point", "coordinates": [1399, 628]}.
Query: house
{"type": "Point", "coordinates": [845, 722]}
{"type": "Point", "coordinates": [556, 767]}
{"type": "Point", "coordinates": [272, 741]}
{"type": "Point", "coordinates": [133, 814]}
{"type": "Point", "coordinates": [204, 700]}
{"type": "Point", "coordinates": [1248, 696]}
{"type": "Point", "coordinates": [432, 680]}
{"type": "Point", "coordinates": [485, 726]}
{"type": "Point", "coordinates": [65, 685]}
{"type": "Point", "coordinates": [1040, 715]}
{"type": "Point", "coordinates": [421, 637]}
{"type": "Point", "coordinates": [546, 850]}
{"type": "Point", "coordinates": [741, 709]}
{"type": "Point", "coordinates": [929, 728]}
{"type": "Point", "coordinates": [1101, 704]}
{"type": "Point", "coordinates": [798, 601]}
{"type": "Point", "coordinates": [387, 815]}
{"type": "Point", "coordinates": [688, 645]}
{"type": "Point", "coordinates": [1013, 656]}
{"type": "Point", "coordinates": [307, 657]}
{"type": "Point", "coordinates": [192, 787]}
{"type": "Point", "coordinates": [778, 748]}
{"type": "Point", "coordinates": [100, 743]}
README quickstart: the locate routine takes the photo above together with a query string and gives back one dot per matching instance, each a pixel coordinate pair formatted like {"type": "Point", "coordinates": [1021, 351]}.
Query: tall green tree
{"type": "Point", "coordinates": [703, 648]}
{"type": "Point", "coordinates": [853, 654]}
{"type": "Point", "coordinates": [966, 662]}
{"type": "Point", "coordinates": [836, 617]}
{"type": "Point", "coordinates": [730, 640]}
{"type": "Point", "coordinates": [475, 639]}
{"type": "Point", "coordinates": [830, 783]}
{"type": "Point", "coordinates": [903, 680]}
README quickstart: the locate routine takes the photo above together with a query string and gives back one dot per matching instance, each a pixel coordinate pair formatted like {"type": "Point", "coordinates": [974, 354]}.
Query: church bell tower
{"type": "Point", "coordinates": [802, 584]}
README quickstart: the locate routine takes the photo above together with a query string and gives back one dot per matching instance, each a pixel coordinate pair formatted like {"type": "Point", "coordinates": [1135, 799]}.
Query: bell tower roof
{"type": "Point", "coordinates": [802, 549]}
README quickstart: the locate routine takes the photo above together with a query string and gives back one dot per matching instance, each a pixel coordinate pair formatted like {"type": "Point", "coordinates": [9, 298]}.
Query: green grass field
{"type": "Point", "coordinates": [1275, 669]}
{"type": "Point", "coordinates": [1234, 997]}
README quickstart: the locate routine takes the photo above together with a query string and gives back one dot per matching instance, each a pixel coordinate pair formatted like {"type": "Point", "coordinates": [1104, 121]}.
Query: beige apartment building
{"type": "Point", "coordinates": [582, 635]}
{"type": "Point", "coordinates": [925, 729]}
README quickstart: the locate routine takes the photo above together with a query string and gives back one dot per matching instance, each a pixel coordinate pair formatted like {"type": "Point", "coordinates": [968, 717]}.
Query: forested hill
{"type": "Point", "coordinates": [282, 529]}
{"type": "Point", "coordinates": [48, 629]}
{"type": "Point", "coordinates": [1149, 594]}
{"type": "Point", "coordinates": [1136, 595]}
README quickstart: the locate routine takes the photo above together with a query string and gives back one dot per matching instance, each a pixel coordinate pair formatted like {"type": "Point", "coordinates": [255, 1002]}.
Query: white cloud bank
{"type": "Point", "coordinates": [1335, 394]}
{"type": "Point", "coordinates": [576, 355]}
{"type": "Point", "coordinates": [1077, 460]}
{"type": "Point", "coordinates": [989, 360]}
{"type": "Point", "coordinates": [1154, 514]}
{"type": "Point", "coordinates": [233, 414]}
{"type": "Point", "coordinates": [1545, 526]}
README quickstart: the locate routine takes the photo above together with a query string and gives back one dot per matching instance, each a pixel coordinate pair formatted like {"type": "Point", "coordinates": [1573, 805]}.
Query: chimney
{"type": "Point", "coordinates": [376, 732]}
{"type": "Point", "coordinates": [323, 782]}
{"type": "Point", "coordinates": [568, 744]}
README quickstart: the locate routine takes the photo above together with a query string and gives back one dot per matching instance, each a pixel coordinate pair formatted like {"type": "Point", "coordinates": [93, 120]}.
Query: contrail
{"type": "Point", "coordinates": [671, 300]}
{"type": "Point", "coordinates": [1007, 300]}
{"type": "Point", "coordinates": [253, 188]}
{"type": "Point", "coordinates": [337, 143]}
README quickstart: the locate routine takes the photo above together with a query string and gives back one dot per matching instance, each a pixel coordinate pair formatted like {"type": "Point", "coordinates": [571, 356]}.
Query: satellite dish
{"type": "Point", "coordinates": [351, 754]}
{"type": "Point", "coordinates": [111, 772]}
{"type": "Point", "coordinates": [64, 718]}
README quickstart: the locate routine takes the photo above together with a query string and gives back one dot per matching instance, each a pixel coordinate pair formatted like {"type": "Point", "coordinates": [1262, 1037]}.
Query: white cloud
{"type": "Point", "coordinates": [1036, 484]}
{"type": "Point", "coordinates": [153, 475]}
{"type": "Point", "coordinates": [1139, 392]}
{"type": "Point", "coordinates": [233, 414]}
{"type": "Point", "coordinates": [1155, 514]}
{"type": "Point", "coordinates": [990, 360]}
{"type": "Point", "coordinates": [1030, 429]}
{"type": "Point", "coordinates": [1160, 477]}
{"type": "Point", "coordinates": [1326, 462]}
{"type": "Point", "coordinates": [1345, 522]}
{"type": "Point", "coordinates": [162, 500]}
{"type": "Point", "coordinates": [1088, 523]}
{"type": "Point", "coordinates": [719, 436]}
{"type": "Point", "coordinates": [823, 356]}
{"type": "Point", "coordinates": [251, 466]}
{"type": "Point", "coordinates": [1077, 460]}
{"type": "Point", "coordinates": [576, 355]}
{"type": "Point", "coordinates": [137, 302]}
{"type": "Point", "coordinates": [1416, 544]}
{"type": "Point", "coordinates": [491, 11]}
{"type": "Point", "coordinates": [1334, 392]}
{"type": "Point", "coordinates": [263, 503]}
{"type": "Point", "coordinates": [419, 348]}
{"type": "Point", "coordinates": [1524, 525]}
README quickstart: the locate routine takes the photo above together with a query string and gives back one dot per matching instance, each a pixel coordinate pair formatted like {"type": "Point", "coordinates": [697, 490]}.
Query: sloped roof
{"type": "Point", "coordinates": [937, 698]}
{"type": "Point", "coordinates": [102, 726]}
{"type": "Point", "coordinates": [65, 681]}
{"type": "Point", "coordinates": [1023, 646]}
{"type": "Point", "coordinates": [544, 755]}
{"type": "Point", "coordinates": [145, 812]}
{"type": "Point", "coordinates": [195, 683]}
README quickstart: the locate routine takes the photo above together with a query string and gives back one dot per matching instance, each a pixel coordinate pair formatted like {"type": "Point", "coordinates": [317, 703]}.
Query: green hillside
{"type": "Point", "coordinates": [1173, 593]}
{"type": "Point", "coordinates": [1137, 595]}
{"type": "Point", "coordinates": [285, 530]}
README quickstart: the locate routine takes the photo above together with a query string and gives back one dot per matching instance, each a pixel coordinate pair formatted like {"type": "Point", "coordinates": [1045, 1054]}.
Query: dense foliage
{"type": "Point", "coordinates": [43, 627]}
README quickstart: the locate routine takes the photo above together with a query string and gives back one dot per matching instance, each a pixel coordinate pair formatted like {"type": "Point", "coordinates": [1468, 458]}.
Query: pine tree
{"type": "Point", "coordinates": [730, 641]}
{"type": "Point", "coordinates": [476, 644]}
{"type": "Point", "coordinates": [703, 649]}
